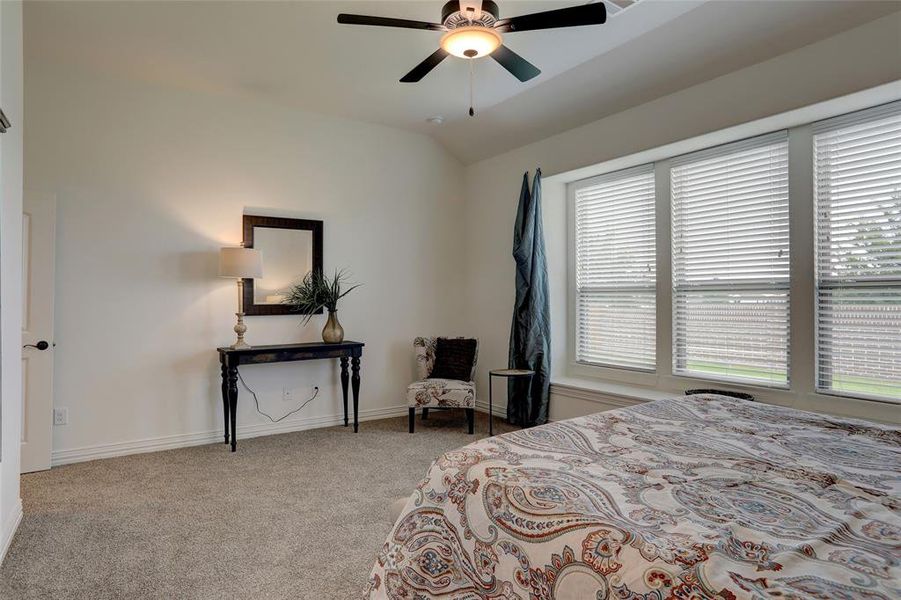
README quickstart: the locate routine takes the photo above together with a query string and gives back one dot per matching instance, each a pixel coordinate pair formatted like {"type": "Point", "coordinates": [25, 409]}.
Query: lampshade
{"type": "Point", "coordinates": [471, 42]}
{"type": "Point", "coordinates": [240, 263]}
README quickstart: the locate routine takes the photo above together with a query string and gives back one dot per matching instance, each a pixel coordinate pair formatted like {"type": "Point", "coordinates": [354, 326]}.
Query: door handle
{"type": "Point", "coordinates": [42, 345]}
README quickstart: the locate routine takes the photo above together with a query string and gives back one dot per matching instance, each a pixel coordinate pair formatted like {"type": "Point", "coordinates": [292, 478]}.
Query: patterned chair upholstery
{"type": "Point", "coordinates": [439, 393]}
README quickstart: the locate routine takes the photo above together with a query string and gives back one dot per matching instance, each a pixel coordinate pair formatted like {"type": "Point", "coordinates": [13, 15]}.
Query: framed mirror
{"type": "Point", "coordinates": [291, 248]}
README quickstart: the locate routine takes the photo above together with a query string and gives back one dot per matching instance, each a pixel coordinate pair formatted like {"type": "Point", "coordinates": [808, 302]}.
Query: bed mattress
{"type": "Point", "coordinates": [693, 497]}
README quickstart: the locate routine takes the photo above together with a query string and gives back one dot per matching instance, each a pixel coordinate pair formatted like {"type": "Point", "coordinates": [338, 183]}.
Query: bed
{"type": "Point", "coordinates": [694, 497]}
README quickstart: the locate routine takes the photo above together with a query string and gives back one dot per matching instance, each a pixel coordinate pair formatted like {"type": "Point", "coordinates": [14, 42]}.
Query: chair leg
{"type": "Point", "coordinates": [471, 417]}
{"type": "Point", "coordinates": [412, 418]}
{"type": "Point", "coordinates": [425, 413]}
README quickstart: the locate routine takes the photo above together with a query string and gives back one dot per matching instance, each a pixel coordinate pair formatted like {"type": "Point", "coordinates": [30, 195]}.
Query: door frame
{"type": "Point", "coordinates": [37, 419]}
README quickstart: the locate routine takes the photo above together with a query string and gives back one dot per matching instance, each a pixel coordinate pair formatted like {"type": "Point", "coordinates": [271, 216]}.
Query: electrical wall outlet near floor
{"type": "Point", "coordinates": [60, 416]}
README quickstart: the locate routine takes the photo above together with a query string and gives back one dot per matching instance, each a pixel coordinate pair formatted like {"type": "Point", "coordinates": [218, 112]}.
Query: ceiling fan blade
{"type": "Point", "coordinates": [517, 65]}
{"type": "Point", "coordinates": [346, 19]}
{"type": "Point", "coordinates": [423, 68]}
{"type": "Point", "coordinates": [574, 16]}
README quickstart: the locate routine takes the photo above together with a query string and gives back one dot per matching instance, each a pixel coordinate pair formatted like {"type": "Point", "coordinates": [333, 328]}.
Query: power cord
{"type": "Point", "coordinates": [256, 400]}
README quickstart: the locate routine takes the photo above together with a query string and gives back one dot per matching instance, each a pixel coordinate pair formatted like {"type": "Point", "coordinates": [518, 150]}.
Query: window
{"type": "Point", "coordinates": [857, 189]}
{"type": "Point", "coordinates": [733, 314]}
{"type": "Point", "coordinates": [616, 270]}
{"type": "Point", "coordinates": [731, 262]}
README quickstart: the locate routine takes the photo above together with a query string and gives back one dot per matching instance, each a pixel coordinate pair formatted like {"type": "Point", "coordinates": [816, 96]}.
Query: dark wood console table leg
{"type": "Point", "coordinates": [233, 403]}
{"type": "Point", "coordinates": [344, 378]}
{"type": "Point", "coordinates": [225, 410]}
{"type": "Point", "coordinates": [355, 382]}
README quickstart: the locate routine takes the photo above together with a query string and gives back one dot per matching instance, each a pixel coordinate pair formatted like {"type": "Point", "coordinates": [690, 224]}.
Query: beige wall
{"type": "Point", "coordinates": [152, 181]}
{"type": "Point", "coordinates": [855, 60]}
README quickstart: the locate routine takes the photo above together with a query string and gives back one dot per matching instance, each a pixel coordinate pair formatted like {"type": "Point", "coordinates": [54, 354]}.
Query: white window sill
{"type": "Point", "coordinates": [618, 395]}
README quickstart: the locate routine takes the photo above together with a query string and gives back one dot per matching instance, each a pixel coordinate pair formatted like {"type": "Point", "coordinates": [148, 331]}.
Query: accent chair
{"type": "Point", "coordinates": [429, 392]}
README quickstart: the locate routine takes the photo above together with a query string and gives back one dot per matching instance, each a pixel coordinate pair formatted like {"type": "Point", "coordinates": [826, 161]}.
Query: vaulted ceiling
{"type": "Point", "coordinates": [294, 53]}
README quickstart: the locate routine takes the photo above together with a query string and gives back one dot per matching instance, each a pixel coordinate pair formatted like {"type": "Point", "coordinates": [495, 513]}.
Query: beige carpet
{"type": "Point", "coordinates": [299, 515]}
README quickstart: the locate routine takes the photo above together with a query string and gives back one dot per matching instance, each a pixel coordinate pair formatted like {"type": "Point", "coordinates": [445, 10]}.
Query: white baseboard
{"type": "Point", "coordinates": [500, 410]}
{"type": "Point", "coordinates": [169, 442]}
{"type": "Point", "coordinates": [75, 455]}
{"type": "Point", "coordinates": [9, 529]}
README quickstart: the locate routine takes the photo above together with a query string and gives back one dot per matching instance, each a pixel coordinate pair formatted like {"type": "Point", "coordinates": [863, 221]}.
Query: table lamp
{"type": "Point", "coordinates": [241, 263]}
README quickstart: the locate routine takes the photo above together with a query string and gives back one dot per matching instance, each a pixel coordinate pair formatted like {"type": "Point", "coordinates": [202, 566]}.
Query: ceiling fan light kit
{"type": "Point", "coordinates": [473, 29]}
{"type": "Point", "coordinates": [471, 42]}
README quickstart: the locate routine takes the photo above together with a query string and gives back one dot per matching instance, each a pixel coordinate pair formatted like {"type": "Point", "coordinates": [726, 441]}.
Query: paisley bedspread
{"type": "Point", "coordinates": [694, 497]}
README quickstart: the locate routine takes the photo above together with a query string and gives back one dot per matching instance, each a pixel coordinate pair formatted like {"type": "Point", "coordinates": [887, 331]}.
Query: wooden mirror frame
{"type": "Point", "coordinates": [252, 221]}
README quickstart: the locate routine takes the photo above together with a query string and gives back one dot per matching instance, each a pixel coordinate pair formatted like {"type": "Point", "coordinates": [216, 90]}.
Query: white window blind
{"type": "Point", "coordinates": [857, 186]}
{"type": "Point", "coordinates": [731, 262]}
{"type": "Point", "coordinates": [616, 270]}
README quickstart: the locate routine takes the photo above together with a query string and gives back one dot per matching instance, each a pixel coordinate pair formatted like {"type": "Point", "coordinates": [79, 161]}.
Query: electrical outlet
{"type": "Point", "coordinates": [287, 395]}
{"type": "Point", "coordinates": [60, 416]}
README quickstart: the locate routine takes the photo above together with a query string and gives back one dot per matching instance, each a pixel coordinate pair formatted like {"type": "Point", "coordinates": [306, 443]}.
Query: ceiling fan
{"type": "Point", "coordinates": [474, 29]}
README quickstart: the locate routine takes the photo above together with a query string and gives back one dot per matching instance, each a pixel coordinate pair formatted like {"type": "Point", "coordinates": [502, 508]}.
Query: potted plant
{"type": "Point", "coordinates": [317, 291]}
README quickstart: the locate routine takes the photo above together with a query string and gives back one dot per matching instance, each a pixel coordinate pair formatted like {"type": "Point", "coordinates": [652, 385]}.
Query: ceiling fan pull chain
{"type": "Point", "coordinates": [472, 112]}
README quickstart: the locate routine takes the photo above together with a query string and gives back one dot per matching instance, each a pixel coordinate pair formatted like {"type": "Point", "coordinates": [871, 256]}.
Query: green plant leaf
{"type": "Point", "coordinates": [316, 291]}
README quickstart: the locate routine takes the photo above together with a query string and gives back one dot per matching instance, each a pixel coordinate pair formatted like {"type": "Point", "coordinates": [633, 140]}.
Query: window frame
{"type": "Point", "coordinates": [802, 392]}
{"type": "Point", "coordinates": [823, 126]}
{"type": "Point", "coordinates": [573, 190]}
{"type": "Point", "coordinates": [711, 152]}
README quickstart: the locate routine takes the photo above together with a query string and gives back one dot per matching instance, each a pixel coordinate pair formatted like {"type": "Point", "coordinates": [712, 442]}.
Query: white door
{"type": "Point", "coordinates": [38, 249]}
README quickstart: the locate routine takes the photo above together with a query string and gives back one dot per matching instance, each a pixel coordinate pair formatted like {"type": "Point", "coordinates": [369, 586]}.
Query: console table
{"type": "Point", "coordinates": [230, 359]}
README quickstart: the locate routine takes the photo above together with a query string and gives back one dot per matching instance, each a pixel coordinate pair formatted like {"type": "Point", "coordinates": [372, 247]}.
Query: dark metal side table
{"type": "Point", "coordinates": [506, 374]}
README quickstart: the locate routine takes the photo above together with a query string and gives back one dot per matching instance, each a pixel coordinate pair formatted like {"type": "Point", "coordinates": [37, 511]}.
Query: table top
{"type": "Point", "coordinates": [511, 372]}
{"type": "Point", "coordinates": [288, 347]}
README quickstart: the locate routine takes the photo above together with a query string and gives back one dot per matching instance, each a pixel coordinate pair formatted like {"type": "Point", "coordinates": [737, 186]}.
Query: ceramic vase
{"type": "Point", "coordinates": [332, 333]}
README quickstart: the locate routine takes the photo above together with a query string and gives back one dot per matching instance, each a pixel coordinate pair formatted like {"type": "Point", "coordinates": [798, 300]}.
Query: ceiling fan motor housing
{"type": "Point", "coordinates": [452, 17]}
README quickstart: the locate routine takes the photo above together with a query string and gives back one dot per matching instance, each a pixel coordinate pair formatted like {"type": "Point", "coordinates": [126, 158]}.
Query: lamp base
{"type": "Point", "coordinates": [240, 330]}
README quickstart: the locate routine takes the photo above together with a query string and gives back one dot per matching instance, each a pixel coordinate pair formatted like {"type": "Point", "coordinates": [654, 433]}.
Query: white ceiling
{"type": "Point", "coordinates": [295, 53]}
